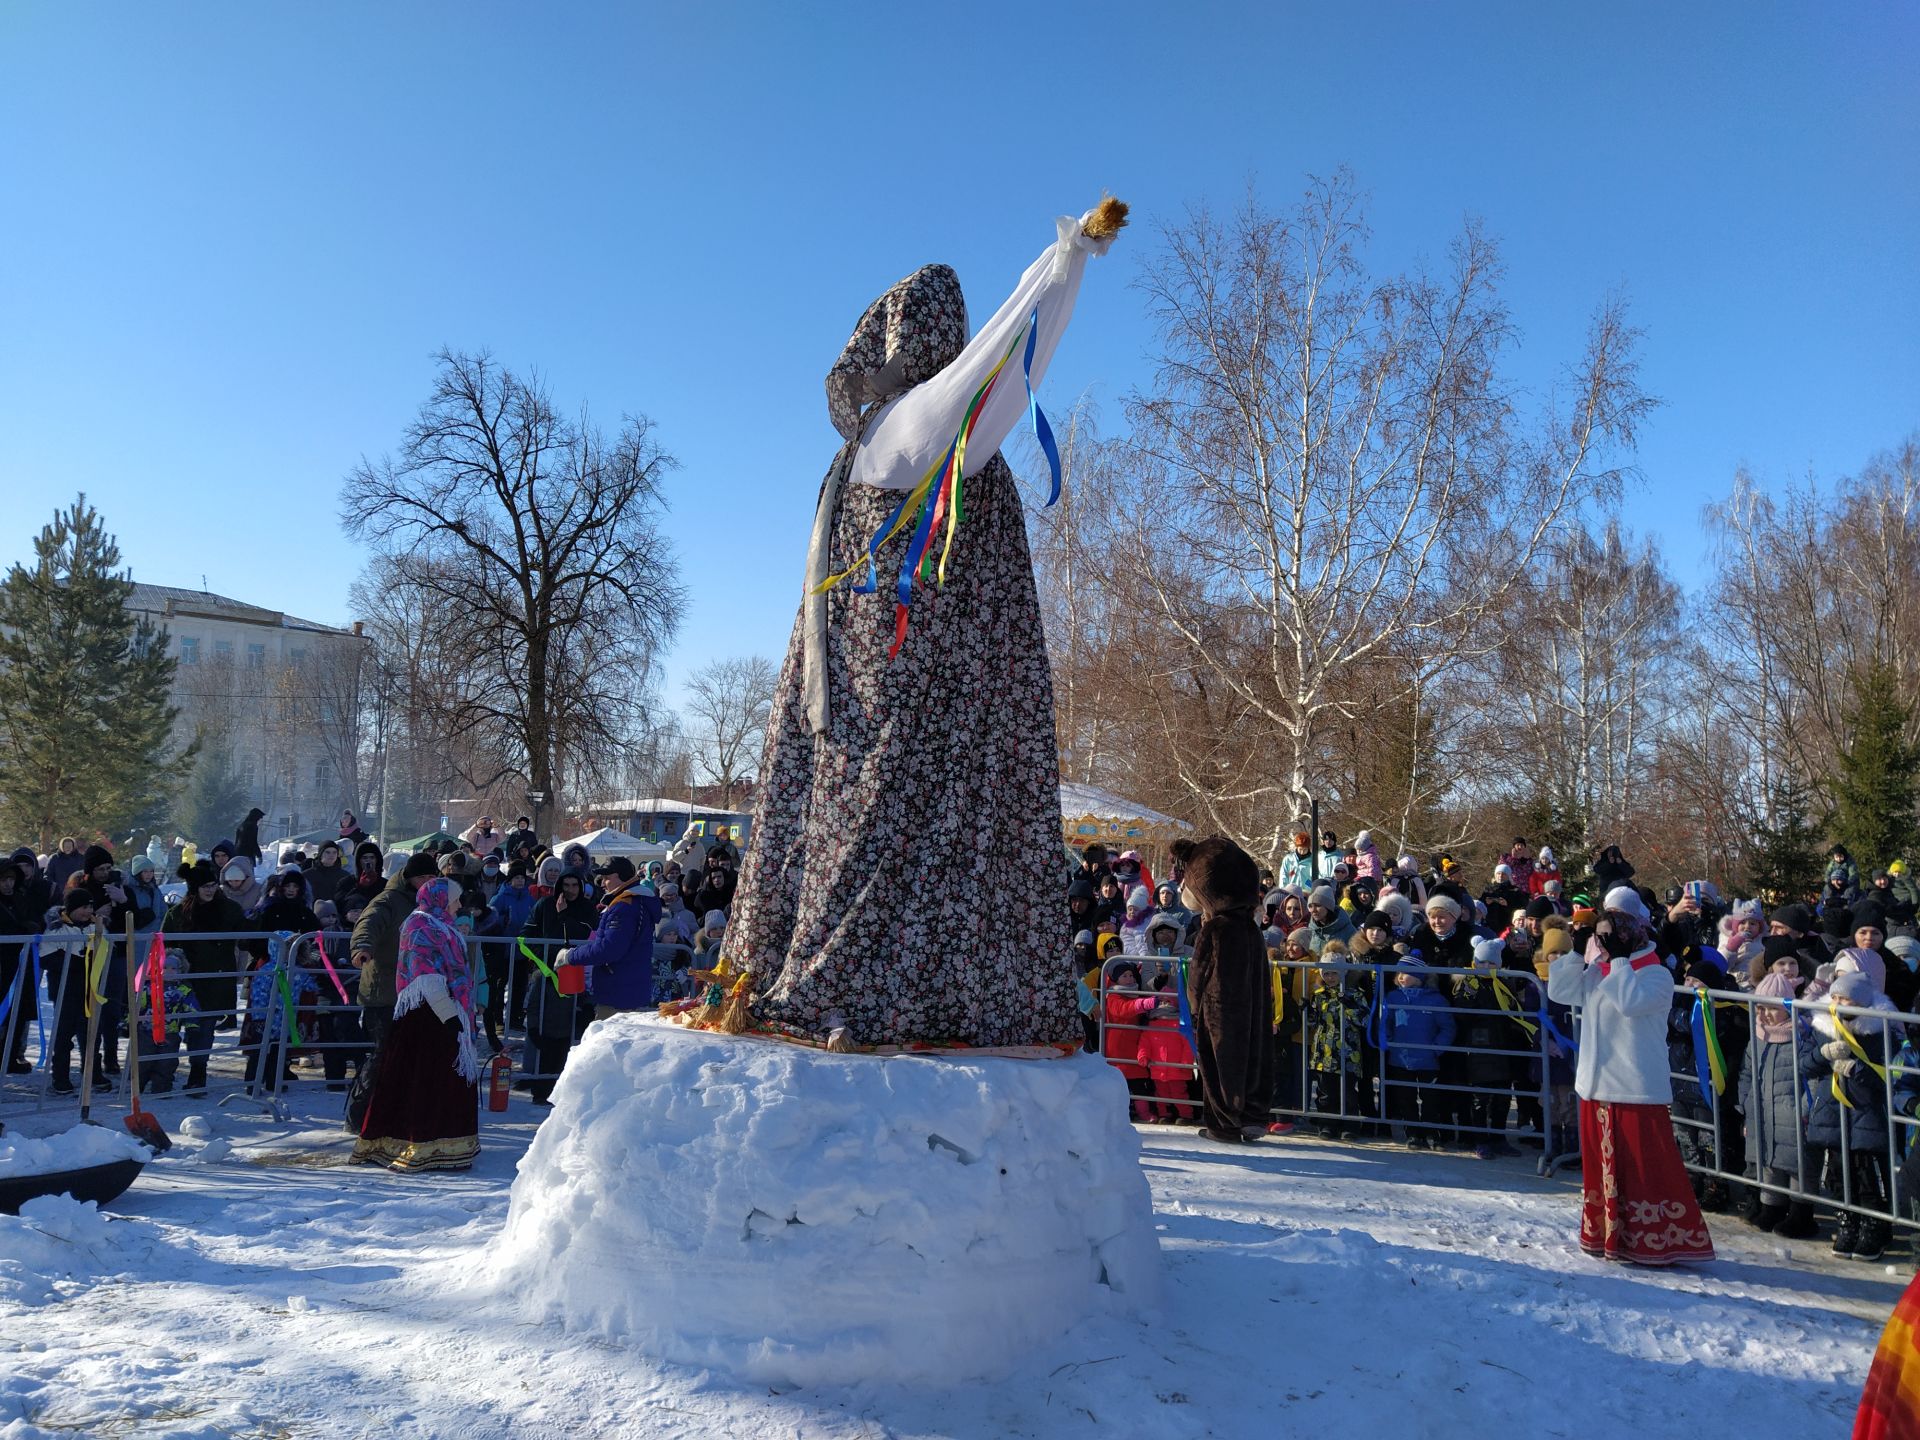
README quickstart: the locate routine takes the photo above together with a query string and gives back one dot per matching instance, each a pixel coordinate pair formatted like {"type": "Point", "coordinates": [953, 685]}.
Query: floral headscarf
{"type": "Point", "coordinates": [430, 945]}
{"type": "Point", "coordinates": [910, 334]}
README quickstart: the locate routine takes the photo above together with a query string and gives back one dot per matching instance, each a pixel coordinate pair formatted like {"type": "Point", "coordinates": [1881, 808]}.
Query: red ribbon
{"type": "Point", "coordinates": [157, 987]}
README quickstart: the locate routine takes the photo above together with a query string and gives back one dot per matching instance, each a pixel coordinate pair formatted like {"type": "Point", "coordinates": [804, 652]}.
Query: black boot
{"type": "Point", "coordinates": [1714, 1198]}
{"type": "Point", "coordinates": [1767, 1217]}
{"type": "Point", "coordinates": [1845, 1233]}
{"type": "Point", "coordinates": [1799, 1224]}
{"type": "Point", "coordinates": [1870, 1239]}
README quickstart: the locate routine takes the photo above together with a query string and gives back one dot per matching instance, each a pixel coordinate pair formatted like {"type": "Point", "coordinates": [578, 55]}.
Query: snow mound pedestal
{"type": "Point", "coordinates": [797, 1217]}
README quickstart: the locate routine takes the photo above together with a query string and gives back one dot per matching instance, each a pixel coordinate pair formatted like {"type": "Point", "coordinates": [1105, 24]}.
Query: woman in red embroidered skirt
{"type": "Point", "coordinates": [1638, 1205]}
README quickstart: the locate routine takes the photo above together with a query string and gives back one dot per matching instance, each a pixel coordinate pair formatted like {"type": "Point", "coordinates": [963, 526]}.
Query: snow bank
{"type": "Point", "coordinates": [792, 1216]}
{"type": "Point", "coordinates": [57, 1239]}
{"type": "Point", "coordinates": [73, 1149]}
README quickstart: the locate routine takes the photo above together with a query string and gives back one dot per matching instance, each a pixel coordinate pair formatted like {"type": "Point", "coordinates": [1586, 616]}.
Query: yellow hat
{"type": "Point", "coordinates": [1899, 867]}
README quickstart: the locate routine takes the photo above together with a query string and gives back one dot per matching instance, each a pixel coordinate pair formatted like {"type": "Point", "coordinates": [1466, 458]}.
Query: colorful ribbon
{"type": "Point", "coordinates": [320, 944]}
{"type": "Point", "coordinates": [277, 957]}
{"type": "Point", "coordinates": [1709, 1062]}
{"type": "Point", "coordinates": [939, 497]}
{"type": "Point", "coordinates": [30, 952]}
{"type": "Point", "coordinates": [540, 965]}
{"type": "Point", "coordinates": [154, 971]}
{"type": "Point", "coordinates": [1853, 1044]}
{"type": "Point", "coordinates": [93, 967]}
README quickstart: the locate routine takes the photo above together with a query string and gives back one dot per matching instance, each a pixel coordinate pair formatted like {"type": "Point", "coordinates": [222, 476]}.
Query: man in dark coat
{"type": "Point", "coordinates": [248, 836]}
{"type": "Point", "coordinates": [16, 918]}
{"type": "Point", "coordinates": [375, 948]}
{"type": "Point", "coordinates": [1231, 989]}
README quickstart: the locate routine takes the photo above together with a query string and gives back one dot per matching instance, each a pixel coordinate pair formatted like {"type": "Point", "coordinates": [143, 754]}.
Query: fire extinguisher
{"type": "Point", "coordinates": [499, 1082]}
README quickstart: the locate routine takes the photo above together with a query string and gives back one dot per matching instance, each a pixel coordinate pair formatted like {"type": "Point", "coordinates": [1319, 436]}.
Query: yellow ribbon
{"type": "Point", "coordinates": [1512, 1006]}
{"type": "Point", "coordinates": [1853, 1044]}
{"type": "Point", "coordinates": [94, 962]}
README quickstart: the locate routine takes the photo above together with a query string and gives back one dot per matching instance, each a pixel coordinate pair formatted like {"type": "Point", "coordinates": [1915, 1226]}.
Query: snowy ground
{"type": "Point", "coordinates": [1312, 1289]}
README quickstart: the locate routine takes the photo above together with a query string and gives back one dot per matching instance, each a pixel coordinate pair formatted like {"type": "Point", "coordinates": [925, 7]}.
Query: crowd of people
{"type": "Point", "coordinates": [1405, 1004]}
{"type": "Point", "coordinates": [472, 928]}
{"type": "Point", "coordinates": [1402, 1004]}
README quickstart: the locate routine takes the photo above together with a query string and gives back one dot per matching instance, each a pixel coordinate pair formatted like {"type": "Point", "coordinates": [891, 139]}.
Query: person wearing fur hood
{"type": "Point", "coordinates": [1637, 1202]}
{"type": "Point", "coordinates": [1231, 989]}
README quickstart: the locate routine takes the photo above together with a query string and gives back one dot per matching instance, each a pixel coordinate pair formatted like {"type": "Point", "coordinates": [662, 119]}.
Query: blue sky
{"type": "Point", "coordinates": [235, 234]}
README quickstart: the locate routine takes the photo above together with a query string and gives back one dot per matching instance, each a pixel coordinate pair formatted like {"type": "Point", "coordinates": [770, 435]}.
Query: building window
{"type": "Point", "coordinates": [189, 650]}
{"type": "Point", "coordinates": [223, 650]}
{"type": "Point", "coordinates": [296, 658]}
{"type": "Point", "coordinates": [670, 825]}
{"type": "Point", "coordinates": [322, 772]}
{"type": "Point", "coordinates": [256, 657]}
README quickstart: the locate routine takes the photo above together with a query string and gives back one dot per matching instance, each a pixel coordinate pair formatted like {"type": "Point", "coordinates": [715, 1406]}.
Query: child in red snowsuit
{"type": "Point", "coordinates": [1169, 1061]}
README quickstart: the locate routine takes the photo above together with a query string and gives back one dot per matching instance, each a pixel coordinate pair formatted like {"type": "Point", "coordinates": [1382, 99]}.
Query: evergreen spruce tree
{"type": "Point", "coordinates": [1784, 863]}
{"type": "Point", "coordinates": [85, 727]}
{"type": "Point", "coordinates": [1874, 785]}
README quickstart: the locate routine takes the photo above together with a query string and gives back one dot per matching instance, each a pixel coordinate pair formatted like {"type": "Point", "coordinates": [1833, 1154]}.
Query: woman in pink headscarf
{"type": "Point", "coordinates": [425, 1111]}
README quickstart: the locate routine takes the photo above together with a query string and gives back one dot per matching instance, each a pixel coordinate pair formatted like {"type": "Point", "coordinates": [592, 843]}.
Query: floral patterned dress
{"type": "Point", "coordinates": [905, 875]}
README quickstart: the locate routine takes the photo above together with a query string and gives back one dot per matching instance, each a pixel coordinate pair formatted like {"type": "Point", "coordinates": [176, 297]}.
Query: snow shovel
{"type": "Point", "coordinates": [141, 1124]}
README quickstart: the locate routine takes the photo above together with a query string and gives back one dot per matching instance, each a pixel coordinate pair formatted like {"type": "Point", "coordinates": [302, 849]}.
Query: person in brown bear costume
{"type": "Point", "coordinates": [1231, 989]}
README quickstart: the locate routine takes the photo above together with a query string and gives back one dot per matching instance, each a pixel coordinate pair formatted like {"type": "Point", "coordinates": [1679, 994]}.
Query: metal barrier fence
{"type": "Point", "coordinates": [292, 1022]}
{"type": "Point", "coordinates": [1338, 1048]}
{"type": "Point", "coordinates": [1769, 1097]}
{"type": "Point", "coordinates": [1868, 1108]}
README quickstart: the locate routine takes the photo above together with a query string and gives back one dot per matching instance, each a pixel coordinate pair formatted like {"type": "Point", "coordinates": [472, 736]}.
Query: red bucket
{"type": "Point", "coordinates": [572, 979]}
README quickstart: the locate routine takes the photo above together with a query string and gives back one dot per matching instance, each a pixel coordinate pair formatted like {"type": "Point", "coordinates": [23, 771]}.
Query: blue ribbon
{"type": "Point", "coordinates": [1186, 1015]}
{"type": "Point", "coordinates": [1042, 431]}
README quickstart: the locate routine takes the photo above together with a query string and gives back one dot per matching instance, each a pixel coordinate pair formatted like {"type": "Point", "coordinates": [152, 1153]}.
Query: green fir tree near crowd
{"type": "Point", "coordinates": [86, 727]}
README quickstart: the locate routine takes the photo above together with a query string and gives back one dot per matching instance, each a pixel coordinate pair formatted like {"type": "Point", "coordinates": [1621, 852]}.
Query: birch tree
{"type": "Point", "coordinates": [1343, 473]}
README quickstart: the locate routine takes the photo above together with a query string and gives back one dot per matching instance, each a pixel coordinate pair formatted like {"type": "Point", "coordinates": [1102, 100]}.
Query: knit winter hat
{"type": "Point", "coordinates": [1855, 961]}
{"type": "Point", "coordinates": [96, 855]}
{"type": "Point", "coordinates": [1775, 1024]}
{"type": "Point", "coordinates": [1794, 917]}
{"type": "Point", "coordinates": [1556, 940]}
{"type": "Point", "coordinates": [1139, 900]}
{"type": "Point", "coordinates": [1546, 861]}
{"type": "Point", "coordinates": [1377, 920]}
{"type": "Point", "coordinates": [1539, 908]}
{"type": "Point", "coordinates": [1490, 953]}
{"type": "Point", "coordinates": [1444, 903]}
{"type": "Point", "coordinates": [1626, 900]}
{"type": "Point", "coordinates": [1324, 897]}
{"type": "Point", "coordinates": [1837, 924]}
{"type": "Point", "coordinates": [139, 863]}
{"type": "Point", "coordinates": [1905, 946]}
{"type": "Point", "coordinates": [1302, 937]}
{"type": "Point", "coordinates": [1747, 910]}
{"type": "Point", "coordinates": [1850, 987]}
{"type": "Point", "coordinates": [1085, 937]}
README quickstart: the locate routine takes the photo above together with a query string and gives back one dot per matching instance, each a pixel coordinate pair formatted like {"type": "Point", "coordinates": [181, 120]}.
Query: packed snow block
{"type": "Point", "coordinates": [792, 1216]}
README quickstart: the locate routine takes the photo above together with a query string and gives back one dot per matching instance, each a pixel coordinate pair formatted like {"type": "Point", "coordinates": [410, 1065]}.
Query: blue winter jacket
{"type": "Point", "coordinates": [1416, 1021]}
{"type": "Point", "coordinates": [513, 907]}
{"type": "Point", "coordinates": [621, 951]}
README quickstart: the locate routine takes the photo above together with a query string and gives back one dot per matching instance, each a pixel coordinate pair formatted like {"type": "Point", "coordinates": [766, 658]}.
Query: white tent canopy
{"type": "Point", "coordinates": [1078, 800]}
{"type": "Point", "coordinates": [605, 844]}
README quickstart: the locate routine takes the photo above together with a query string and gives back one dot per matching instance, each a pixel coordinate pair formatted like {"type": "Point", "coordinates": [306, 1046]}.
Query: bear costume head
{"type": "Point", "coordinates": [1219, 877]}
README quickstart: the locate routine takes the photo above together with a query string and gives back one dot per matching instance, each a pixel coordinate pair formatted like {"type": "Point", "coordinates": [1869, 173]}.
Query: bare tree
{"type": "Point", "coordinates": [1588, 675]}
{"type": "Point", "coordinates": [728, 703]}
{"type": "Point", "coordinates": [1809, 589]}
{"type": "Point", "coordinates": [1340, 473]}
{"type": "Point", "coordinates": [534, 539]}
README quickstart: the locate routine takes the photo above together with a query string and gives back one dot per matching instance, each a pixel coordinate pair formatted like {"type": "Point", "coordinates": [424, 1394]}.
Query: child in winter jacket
{"type": "Point", "coordinates": [1169, 1060]}
{"type": "Point", "coordinates": [1335, 1029]}
{"type": "Point", "coordinates": [1845, 1071]}
{"type": "Point", "coordinates": [1127, 1008]}
{"type": "Point", "coordinates": [1493, 1028]}
{"type": "Point", "coordinates": [1769, 1097]}
{"type": "Point", "coordinates": [180, 1020]}
{"type": "Point", "coordinates": [1416, 1024]}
